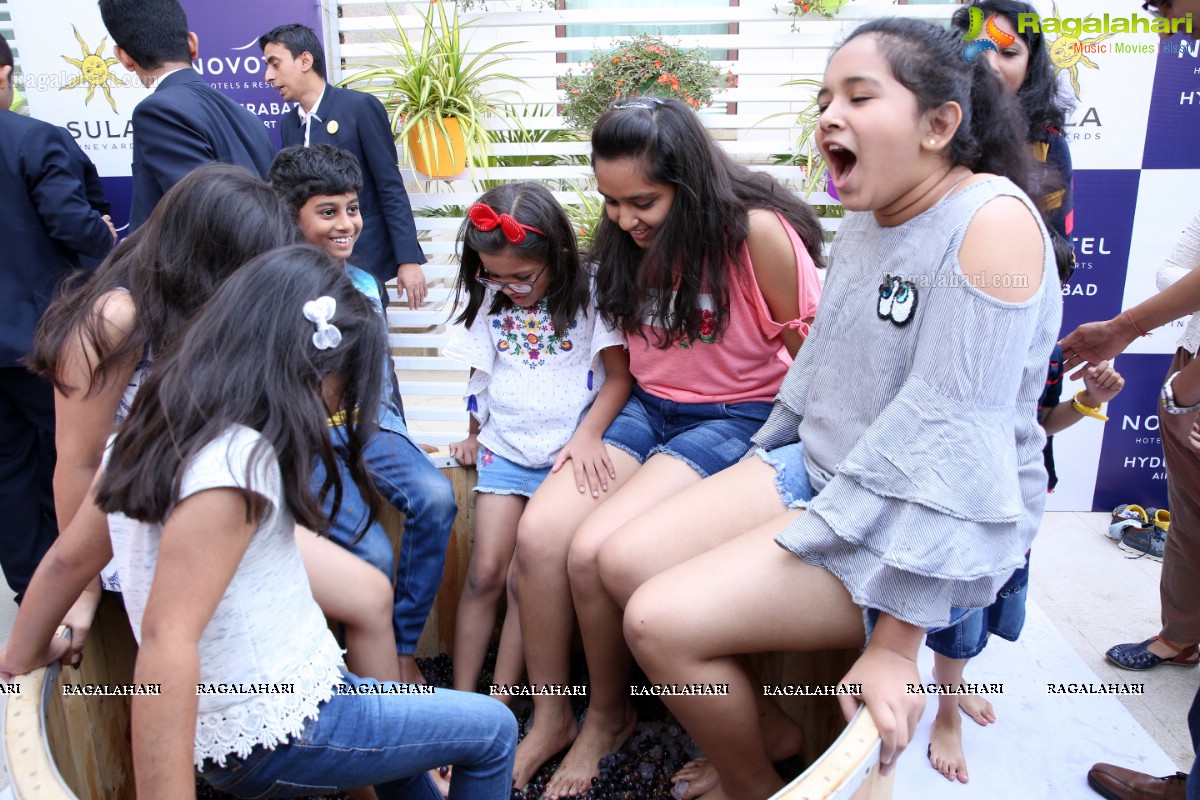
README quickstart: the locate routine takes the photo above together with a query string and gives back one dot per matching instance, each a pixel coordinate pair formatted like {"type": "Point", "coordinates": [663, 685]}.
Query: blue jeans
{"type": "Point", "coordinates": [408, 480]}
{"type": "Point", "coordinates": [388, 741]}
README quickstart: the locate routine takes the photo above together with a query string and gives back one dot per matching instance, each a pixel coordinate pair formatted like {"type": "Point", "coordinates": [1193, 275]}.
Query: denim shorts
{"type": "Point", "coordinates": [708, 437]}
{"type": "Point", "coordinates": [498, 475]}
{"type": "Point", "coordinates": [1005, 618]}
{"type": "Point", "coordinates": [957, 615]}
{"type": "Point", "coordinates": [791, 476]}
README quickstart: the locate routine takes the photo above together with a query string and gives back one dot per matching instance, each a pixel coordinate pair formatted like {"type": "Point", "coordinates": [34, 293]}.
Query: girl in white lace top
{"type": "Point", "coordinates": [210, 472]}
{"type": "Point", "coordinates": [97, 343]}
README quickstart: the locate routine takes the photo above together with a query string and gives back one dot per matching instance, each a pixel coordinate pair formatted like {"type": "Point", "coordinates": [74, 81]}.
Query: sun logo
{"type": "Point", "coordinates": [1069, 52]}
{"type": "Point", "coordinates": [94, 69]}
{"type": "Point", "coordinates": [997, 37]}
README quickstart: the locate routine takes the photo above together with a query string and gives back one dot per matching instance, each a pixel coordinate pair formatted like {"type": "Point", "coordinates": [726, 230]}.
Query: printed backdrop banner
{"type": "Point", "coordinates": [1132, 139]}
{"type": "Point", "coordinates": [1131, 133]}
{"type": "Point", "coordinates": [72, 79]}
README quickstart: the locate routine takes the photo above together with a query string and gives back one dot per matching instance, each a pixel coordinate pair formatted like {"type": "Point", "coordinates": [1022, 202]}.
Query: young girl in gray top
{"type": "Point", "coordinates": [920, 482]}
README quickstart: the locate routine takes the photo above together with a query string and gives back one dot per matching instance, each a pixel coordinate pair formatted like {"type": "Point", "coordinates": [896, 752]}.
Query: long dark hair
{"type": "Point", "coordinates": [209, 224]}
{"type": "Point", "coordinates": [694, 249]}
{"type": "Point", "coordinates": [529, 204]}
{"type": "Point", "coordinates": [927, 61]}
{"type": "Point", "coordinates": [1040, 97]}
{"type": "Point", "coordinates": [248, 358]}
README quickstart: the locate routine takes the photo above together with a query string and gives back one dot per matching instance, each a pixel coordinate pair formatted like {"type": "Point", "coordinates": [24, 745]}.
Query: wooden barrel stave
{"type": "Point", "coordinates": [88, 737]}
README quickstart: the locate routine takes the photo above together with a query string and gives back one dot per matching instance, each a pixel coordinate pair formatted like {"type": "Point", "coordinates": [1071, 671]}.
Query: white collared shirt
{"type": "Point", "coordinates": [158, 80]}
{"type": "Point", "coordinates": [307, 117]}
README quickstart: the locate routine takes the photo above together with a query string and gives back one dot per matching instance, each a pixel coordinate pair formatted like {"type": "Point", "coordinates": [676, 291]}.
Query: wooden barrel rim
{"type": "Point", "coordinates": [844, 767]}
{"type": "Point", "coordinates": [26, 747]}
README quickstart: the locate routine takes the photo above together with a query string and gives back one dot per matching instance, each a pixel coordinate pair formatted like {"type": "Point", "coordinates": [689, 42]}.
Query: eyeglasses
{"type": "Point", "coordinates": [516, 287]}
{"type": "Point", "coordinates": [1155, 7]}
{"type": "Point", "coordinates": [648, 103]}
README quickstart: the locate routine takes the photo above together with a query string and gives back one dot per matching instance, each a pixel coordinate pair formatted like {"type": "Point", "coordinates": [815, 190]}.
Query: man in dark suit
{"type": "Point", "coordinates": [357, 123]}
{"type": "Point", "coordinates": [185, 123]}
{"type": "Point", "coordinates": [47, 225]}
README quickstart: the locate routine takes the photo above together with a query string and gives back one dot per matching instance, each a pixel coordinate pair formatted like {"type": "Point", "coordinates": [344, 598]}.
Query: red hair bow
{"type": "Point", "coordinates": [485, 218]}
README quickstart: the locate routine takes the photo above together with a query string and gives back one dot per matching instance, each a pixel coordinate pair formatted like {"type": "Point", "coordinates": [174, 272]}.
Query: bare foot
{"type": "Point", "coordinates": [977, 709]}
{"type": "Point", "coordinates": [784, 739]}
{"type": "Point", "coordinates": [544, 739]}
{"type": "Point", "coordinates": [768, 788]}
{"type": "Point", "coordinates": [695, 778]}
{"type": "Point", "coordinates": [409, 671]}
{"type": "Point", "coordinates": [596, 739]}
{"type": "Point", "coordinates": [945, 745]}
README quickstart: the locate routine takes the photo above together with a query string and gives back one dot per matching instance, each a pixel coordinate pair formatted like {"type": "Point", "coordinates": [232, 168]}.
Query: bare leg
{"type": "Point", "coordinates": [945, 738]}
{"type": "Point", "coordinates": [686, 524]}
{"type": "Point", "coordinates": [547, 615]}
{"type": "Point", "coordinates": [366, 612]}
{"type": "Point", "coordinates": [510, 659]}
{"type": "Point", "coordinates": [782, 737]}
{"type": "Point", "coordinates": [496, 518]}
{"type": "Point", "coordinates": [610, 716]}
{"type": "Point", "coordinates": [739, 598]}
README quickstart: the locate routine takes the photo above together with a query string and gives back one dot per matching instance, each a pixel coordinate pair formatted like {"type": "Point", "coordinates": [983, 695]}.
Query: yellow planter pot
{"type": "Point", "coordinates": [433, 154]}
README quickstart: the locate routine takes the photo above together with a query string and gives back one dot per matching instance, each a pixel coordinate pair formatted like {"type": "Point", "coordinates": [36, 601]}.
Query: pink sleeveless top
{"type": "Point", "coordinates": [748, 362]}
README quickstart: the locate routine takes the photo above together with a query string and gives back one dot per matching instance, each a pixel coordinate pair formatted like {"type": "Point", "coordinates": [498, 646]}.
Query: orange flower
{"type": "Point", "coordinates": [658, 63]}
{"type": "Point", "coordinates": [616, 59]}
{"type": "Point", "coordinates": [620, 83]}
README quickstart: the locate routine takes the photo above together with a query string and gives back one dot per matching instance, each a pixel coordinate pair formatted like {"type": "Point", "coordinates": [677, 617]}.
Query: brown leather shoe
{"type": "Point", "coordinates": [1118, 783]}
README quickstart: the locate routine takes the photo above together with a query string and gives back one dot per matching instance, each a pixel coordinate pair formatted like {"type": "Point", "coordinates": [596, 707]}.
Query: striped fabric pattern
{"type": "Point", "coordinates": [915, 397]}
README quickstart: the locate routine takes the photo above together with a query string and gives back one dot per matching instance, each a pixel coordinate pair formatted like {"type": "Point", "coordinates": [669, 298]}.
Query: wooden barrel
{"type": "Point", "coordinates": [69, 745]}
{"type": "Point", "coordinates": [64, 747]}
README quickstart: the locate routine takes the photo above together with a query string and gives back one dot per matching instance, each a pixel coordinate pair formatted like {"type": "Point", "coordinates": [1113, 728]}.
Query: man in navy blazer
{"type": "Point", "coordinates": [355, 122]}
{"type": "Point", "coordinates": [185, 123]}
{"type": "Point", "coordinates": [47, 225]}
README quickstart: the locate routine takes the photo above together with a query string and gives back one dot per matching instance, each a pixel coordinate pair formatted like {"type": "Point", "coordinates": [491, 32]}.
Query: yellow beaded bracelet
{"type": "Point", "coordinates": [1086, 410]}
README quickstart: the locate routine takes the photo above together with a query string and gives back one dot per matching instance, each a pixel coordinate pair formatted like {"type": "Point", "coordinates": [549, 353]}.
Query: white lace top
{"type": "Point", "coordinates": [267, 638]}
{"type": "Point", "coordinates": [110, 578]}
{"type": "Point", "coordinates": [1184, 258]}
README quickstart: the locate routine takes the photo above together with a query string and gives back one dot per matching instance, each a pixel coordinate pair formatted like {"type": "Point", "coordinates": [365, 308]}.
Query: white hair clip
{"type": "Point", "coordinates": [321, 311]}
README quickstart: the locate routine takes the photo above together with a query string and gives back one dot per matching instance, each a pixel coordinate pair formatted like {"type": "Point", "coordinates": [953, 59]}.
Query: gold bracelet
{"type": "Point", "coordinates": [1086, 410]}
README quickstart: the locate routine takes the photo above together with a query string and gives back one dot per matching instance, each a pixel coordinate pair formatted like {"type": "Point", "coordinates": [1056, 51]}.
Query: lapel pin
{"type": "Point", "coordinates": [332, 127]}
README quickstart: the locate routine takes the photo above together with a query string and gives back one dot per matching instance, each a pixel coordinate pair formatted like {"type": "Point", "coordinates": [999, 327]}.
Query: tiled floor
{"type": "Point", "coordinates": [1097, 596]}
{"type": "Point", "coordinates": [1087, 595]}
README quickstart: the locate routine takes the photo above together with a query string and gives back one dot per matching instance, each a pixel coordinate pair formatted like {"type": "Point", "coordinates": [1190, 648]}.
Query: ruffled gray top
{"type": "Point", "coordinates": [915, 396]}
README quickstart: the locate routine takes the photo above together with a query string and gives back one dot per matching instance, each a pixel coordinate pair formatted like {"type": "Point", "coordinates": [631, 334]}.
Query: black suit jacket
{"type": "Point", "coordinates": [184, 124]}
{"type": "Point", "coordinates": [47, 224]}
{"type": "Point", "coordinates": [389, 236]}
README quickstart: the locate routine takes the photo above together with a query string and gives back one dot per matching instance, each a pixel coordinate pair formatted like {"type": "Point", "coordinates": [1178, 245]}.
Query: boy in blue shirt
{"type": "Point", "coordinates": [320, 184]}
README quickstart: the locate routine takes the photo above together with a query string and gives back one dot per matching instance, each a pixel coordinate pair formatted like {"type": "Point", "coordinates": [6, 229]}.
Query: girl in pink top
{"type": "Point", "coordinates": [710, 271]}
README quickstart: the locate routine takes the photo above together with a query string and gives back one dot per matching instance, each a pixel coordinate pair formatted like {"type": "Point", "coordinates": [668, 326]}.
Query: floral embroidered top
{"type": "Point", "coordinates": [532, 384]}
